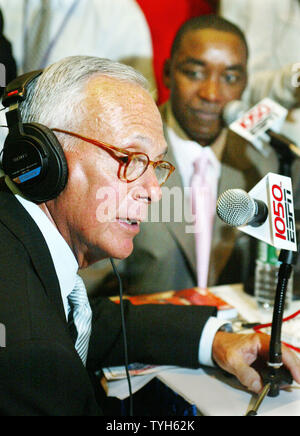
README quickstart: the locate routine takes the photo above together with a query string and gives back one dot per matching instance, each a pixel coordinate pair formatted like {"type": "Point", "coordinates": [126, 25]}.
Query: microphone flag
{"type": "Point", "coordinates": [279, 230]}
{"type": "Point", "coordinates": [254, 124]}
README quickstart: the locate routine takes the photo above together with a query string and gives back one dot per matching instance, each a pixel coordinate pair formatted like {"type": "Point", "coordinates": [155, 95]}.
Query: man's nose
{"type": "Point", "coordinates": [150, 189]}
{"type": "Point", "coordinates": [210, 90]}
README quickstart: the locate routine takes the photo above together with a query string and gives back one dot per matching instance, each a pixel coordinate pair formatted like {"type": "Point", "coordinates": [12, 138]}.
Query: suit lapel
{"type": "Point", "coordinates": [19, 222]}
{"type": "Point", "coordinates": [178, 230]}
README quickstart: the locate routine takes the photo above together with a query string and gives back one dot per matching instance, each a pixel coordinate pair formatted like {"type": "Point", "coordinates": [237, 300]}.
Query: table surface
{"type": "Point", "coordinates": [217, 394]}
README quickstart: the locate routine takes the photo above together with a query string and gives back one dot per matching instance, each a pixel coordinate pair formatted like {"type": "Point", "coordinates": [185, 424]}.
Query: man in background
{"type": "Point", "coordinates": [207, 69]}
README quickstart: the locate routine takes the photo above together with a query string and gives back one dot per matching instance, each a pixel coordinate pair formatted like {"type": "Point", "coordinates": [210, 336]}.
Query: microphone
{"type": "Point", "coordinates": [261, 123]}
{"type": "Point", "coordinates": [266, 212]}
{"type": "Point", "coordinates": [234, 110]}
{"type": "Point", "coordinates": [271, 219]}
{"type": "Point", "coordinates": [236, 208]}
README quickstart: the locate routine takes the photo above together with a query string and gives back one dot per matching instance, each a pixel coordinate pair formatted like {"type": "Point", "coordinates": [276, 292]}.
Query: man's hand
{"type": "Point", "coordinates": [235, 353]}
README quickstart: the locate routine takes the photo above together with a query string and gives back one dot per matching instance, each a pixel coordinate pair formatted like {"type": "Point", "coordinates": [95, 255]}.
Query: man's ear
{"type": "Point", "coordinates": [167, 73]}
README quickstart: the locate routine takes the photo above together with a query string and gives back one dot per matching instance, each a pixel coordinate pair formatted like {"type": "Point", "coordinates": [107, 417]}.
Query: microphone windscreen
{"type": "Point", "coordinates": [235, 207]}
{"type": "Point", "coordinates": [234, 110]}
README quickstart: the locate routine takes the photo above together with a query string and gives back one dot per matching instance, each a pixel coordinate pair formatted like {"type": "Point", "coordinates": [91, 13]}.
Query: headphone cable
{"type": "Point", "coordinates": [124, 337]}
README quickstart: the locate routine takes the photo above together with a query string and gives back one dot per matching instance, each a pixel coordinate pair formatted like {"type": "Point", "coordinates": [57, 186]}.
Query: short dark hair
{"type": "Point", "coordinates": [207, 22]}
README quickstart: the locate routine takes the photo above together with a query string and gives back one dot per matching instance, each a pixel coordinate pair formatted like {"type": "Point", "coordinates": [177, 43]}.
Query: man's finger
{"type": "Point", "coordinates": [248, 376]}
{"type": "Point", "coordinates": [292, 362]}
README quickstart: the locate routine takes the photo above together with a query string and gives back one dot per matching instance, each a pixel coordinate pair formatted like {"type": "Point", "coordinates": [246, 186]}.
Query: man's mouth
{"type": "Point", "coordinates": [206, 115]}
{"type": "Point", "coordinates": [128, 221]}
{"type": "Point", "coordinates": [130, 225]}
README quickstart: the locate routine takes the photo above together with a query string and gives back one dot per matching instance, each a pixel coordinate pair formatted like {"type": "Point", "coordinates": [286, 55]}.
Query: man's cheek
{"type": "Point", "coordinates": [107, 204]}
{"type": "Point", "coordinates": [134, 203]}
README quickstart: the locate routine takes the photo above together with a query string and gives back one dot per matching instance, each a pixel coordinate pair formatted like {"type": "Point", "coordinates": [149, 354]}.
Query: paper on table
{"type": "Point", "coordinates": [115, 382]}
{"type": "Point", "coordinates": [120, 389]}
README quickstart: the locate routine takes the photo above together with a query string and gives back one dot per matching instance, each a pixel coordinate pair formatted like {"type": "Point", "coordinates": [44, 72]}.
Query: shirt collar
{"type": "Point", "coordinates": [64, 261]}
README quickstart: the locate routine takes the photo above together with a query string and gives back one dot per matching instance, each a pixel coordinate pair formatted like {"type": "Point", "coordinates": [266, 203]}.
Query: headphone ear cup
{"type": "Point", "coordinates": [36, 162]}
{"type": "Point", "coordinates": [61, 170]}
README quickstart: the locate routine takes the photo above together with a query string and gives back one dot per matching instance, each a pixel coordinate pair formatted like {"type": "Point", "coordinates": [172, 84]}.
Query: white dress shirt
{"type": "Point", "coordinates": [64, 261]}
{"type": "Point", "coordinates": [186, 152]}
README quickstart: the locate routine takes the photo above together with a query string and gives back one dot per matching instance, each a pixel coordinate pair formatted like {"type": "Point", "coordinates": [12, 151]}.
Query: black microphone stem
{"type": "Point", "coordinates": [285, 270]}
{"type": "Point", "coordinates": [286, 152]}
{"type": "Point", "coordinates": [276, 375]}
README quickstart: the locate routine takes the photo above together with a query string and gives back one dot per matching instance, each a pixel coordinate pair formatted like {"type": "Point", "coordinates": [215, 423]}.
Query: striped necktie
{"type": "Point", "coordinates": [82, 316]}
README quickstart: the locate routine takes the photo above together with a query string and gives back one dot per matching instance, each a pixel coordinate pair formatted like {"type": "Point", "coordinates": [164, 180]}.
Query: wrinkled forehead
{"type": "Point", "coordinates": [117, 110]}
{"type": "Point", "coordinates": [112, 97]}
{"type": "Point", "coordinates": [104, 88]}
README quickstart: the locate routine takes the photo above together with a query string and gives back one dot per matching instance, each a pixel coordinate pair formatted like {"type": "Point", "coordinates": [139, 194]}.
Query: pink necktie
{"type": "Point", "coordinates": [204, 197]}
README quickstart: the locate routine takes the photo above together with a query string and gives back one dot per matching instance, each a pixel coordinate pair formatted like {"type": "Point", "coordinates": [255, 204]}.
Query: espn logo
{"type": "Point", "coordinates": [282, 201]}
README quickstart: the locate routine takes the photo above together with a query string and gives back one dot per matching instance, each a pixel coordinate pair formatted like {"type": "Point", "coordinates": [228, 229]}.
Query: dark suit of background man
{"type": "Point", "coordinates": [90, 103]}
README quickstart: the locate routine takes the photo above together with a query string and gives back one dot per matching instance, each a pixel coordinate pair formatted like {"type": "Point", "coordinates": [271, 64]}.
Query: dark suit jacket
{"type": "Point", "coordinates": [40, 371]}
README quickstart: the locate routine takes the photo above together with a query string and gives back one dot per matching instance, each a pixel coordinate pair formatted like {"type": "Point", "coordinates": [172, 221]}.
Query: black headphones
{"type": "Point", "coordinates": [32, 157]}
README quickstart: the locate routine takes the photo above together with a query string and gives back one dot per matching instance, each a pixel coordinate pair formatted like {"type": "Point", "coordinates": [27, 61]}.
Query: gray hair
{"type": "Point", "coordinates": [54, 98]}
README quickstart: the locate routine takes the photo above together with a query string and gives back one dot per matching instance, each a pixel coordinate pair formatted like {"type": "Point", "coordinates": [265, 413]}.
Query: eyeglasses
{"type": "Point", "coordinates": [131, 166]}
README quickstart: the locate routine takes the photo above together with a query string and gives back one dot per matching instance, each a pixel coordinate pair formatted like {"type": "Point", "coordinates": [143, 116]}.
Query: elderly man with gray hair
{"type": "Point", "coordinates": [82, 128]}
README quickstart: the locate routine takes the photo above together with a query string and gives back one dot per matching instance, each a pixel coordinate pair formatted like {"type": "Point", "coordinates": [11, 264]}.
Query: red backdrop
{"type": "Point", "coordinates": [164, 18]}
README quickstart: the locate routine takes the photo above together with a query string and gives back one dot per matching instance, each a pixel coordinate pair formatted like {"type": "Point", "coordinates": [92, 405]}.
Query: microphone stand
{"type": "Point", "coordinates": [276, 375]}
{"type": "Point", "coordinates": [286, 152]}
